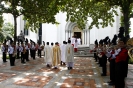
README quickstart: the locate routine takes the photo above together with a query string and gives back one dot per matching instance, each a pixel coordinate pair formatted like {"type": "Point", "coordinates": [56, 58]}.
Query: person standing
{"type": "Point", "coordinates": [4, 50]}
{"type": "Point", "coordinates": [27, 51]}
{"type": "Point", "coordinates": [69, 55]}
{"type": "Point", "coordinates": [11, 51]}
{"type": "Point", "coordinates": [121, 64]}
{"type": "Point", "coordinates": [23, 51]}
{"type": "Point", "coordinates": [76, 45]}
{"type": "Point", "coordinates": [33, 51]}
{"type": "Point", "coordinates": [73, 40]}
{"type": "Point", "coordinates": [48, 55]}
{"type": "Point", "coordinates": [39, 50]}
{"type": "Point", "coordinates": [63, 53]}
{"type": "Point", "coordinates": [56, 55]}
{"type": "Point", "coordinates": [18, 52]}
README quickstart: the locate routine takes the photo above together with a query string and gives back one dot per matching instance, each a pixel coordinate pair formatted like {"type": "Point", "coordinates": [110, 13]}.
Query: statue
{"type": "Point", "coordinates": [21, 36]}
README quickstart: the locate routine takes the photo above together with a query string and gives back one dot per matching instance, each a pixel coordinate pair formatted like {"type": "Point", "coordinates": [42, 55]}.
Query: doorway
{"type": "Point", "coordinates": [77, 35]}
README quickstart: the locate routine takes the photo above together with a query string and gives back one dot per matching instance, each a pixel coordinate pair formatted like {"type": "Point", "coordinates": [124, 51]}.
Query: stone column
{"type": "Point", "coordinates": [70, 34]}
{"type": "Point", "coordinates": [85, 38]}
{"type": "Point", "coordinates": [66, 35]}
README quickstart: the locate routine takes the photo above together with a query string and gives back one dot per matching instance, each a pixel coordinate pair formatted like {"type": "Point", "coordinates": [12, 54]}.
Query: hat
{"type": "Point", "coordinates": [96, 43]}
{"type": "Point", "coordinates": [69, 41]}
{"type": "Point", "coordinates": [105, 40]}
{"type": "Point", "coordinates": [64, 42]}
{"type": "Point", "coordinates": [26, 40]}
{"type": "Point", "coordinates": [21, 41]}
{"type": "Point", "coordinates": [114, 40]}
{"type": "Point", "coordinates": [101, 42]}
{"type": "Point", "coordinates": [121, 32]}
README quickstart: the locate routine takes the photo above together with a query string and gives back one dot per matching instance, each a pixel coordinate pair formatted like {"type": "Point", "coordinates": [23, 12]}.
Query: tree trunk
{"type": "Point", "coordinates": [126, 20]}
{"type": "Point", "coordinates": [15, 29]}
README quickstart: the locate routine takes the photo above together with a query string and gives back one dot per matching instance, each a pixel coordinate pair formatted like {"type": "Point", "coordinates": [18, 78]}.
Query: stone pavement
{"type": "Point", "coordinates": [35, 74]}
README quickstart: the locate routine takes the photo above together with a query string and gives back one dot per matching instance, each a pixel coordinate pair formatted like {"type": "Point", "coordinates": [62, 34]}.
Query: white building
{"type": "Point", "coordinates": [61, 32]}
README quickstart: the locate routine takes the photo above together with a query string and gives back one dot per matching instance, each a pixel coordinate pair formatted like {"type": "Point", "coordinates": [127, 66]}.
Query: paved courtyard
{"type": "Point", "coordinates": [34, 74]}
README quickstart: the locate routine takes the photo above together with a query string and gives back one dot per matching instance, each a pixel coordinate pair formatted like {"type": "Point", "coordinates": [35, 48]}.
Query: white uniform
{"type": "Point", "coordinates": [63, 53]}
{"type": "Point", "coordinates": [69, 55]}
{"type": "Point", "coordinates": [79, 41]}
{"type": "Point", "coordinates": [72, 40]}
{"type": "Point", "coordinates": [76, 45]}
{"type": "Point", "coordinates": [48, 54]}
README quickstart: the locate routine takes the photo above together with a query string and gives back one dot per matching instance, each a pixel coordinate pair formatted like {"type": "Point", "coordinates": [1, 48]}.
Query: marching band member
{"type": "Point", "coordinates": [11, 51]}
{"type": "Point", "coordinates": [39, 49]}
{"type": "Point", "coordinates": [18, 52]}
{"type": "Point", "coordinates": [111, 52]}
{"type": "Point", "coordinates": [104, 57]}
{"type": "Point", "coordinates": [23, 51]}
{"type": "Point", "coordinates": [4, 51]}
{"type": "Point", "coordinates": [27, 50]}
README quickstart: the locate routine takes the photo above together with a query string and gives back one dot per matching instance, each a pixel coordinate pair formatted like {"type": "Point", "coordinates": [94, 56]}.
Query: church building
{"type": "Point", "coordinates": [66, 29]}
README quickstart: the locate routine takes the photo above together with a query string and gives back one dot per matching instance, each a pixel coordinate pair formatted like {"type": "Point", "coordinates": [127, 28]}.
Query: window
{"type": "Point", "coordinates": [26, 31]}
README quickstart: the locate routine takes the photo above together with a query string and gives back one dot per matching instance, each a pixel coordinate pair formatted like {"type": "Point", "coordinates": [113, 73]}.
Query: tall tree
{"type": "Point", "coordinates": [101, 12]}
{"type": "Point", "coordinates": [34, 11]}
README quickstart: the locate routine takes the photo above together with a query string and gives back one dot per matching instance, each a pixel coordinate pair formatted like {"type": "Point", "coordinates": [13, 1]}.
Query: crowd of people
{"type": "Point", "coordinates": [54, 54]}
{"type": "Point", "coordinates": [116, 53]}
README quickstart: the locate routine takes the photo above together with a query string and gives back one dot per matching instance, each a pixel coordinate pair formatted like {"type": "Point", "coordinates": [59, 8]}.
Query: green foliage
{"type": "Point", "coordinates": [34, 11]}
{"type": "Point", "coordinates": [1, 21]}
{"type": "Point", "coordinates": [79, 10]}
{"type": "Point", "coordinates": [2, 37]}
{"type": "Point", "coordinates": [101, 12]}
{"type": "Point", "coordinates": [6, 31]}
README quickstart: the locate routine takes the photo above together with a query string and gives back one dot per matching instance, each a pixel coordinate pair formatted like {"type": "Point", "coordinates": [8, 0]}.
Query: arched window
{"type": "Point", "coordinates": [26, 31]}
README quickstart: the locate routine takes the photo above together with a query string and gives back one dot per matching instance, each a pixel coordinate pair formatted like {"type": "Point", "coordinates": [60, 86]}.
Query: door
{"type": "Point", "coordinates": [77, 35]}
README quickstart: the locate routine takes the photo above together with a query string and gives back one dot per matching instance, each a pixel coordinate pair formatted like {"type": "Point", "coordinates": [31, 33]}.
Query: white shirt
{"type": "Point", "coordinates": [3, 49]}
{"type": "Point", "coordinates": [21, 49]}
{"type": "Point", "coordinates": [10, 50]}
{"type": "Point", "coordinates": [26, 47]}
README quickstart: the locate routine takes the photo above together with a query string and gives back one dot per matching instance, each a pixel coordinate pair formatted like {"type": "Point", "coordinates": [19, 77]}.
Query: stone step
{"type": "Point", "coordinates": [87, 55]}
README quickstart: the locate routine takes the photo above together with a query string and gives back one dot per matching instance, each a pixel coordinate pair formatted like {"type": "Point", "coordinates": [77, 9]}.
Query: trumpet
{"type": "Point", "coordinates": [24, 50]}
{"type": "Point", "coordinates": [130, 50]}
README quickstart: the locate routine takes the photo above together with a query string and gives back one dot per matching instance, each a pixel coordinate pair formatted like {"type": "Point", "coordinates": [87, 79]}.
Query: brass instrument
{"type": "Point", "coordinates": [24, 51]}
{"type": "Point", "coordinates": [42, 47]}
{"type": "Point", "coordinates": [130, 50]}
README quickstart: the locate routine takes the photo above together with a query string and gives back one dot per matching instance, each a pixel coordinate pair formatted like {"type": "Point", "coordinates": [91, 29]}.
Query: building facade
{"type": "Point", "coordinates": [63, 31]}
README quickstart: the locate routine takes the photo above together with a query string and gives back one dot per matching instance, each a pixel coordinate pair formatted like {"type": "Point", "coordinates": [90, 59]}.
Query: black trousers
{"type": "Point", "coordinates": [22, 57]}
{"type": "Point", "coordinates": [104, 62]}
{"type": "Point", "coordinates": [112, 70]}
{"type": "Point", "coordinates": [39, 53]}
{"type": "Point", "coordinates": [18, 53]}
{"type": "Point", "coordinates": [95, 56]}
{"type": "Point", "coordinates": [27, 55]}
{"type": "Point", "coordinates": [100, 61]}
{"type": "Point", "coordinates": [33, 54]}
{"type": "Point", "coordinates": [4, 57]}
{"type": "Point", "coordinates": [12, 60]}
{"type": "Point", "coordinates": [120, 74]}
